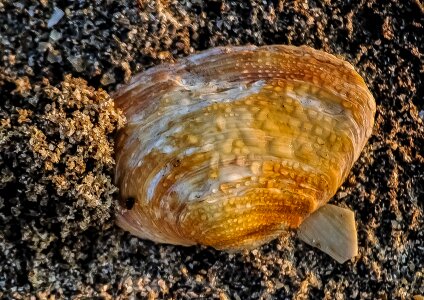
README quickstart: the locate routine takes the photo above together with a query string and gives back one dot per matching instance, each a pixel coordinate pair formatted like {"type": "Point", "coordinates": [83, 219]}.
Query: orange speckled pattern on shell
{"type": "Point", "coordinates": [233, 146]}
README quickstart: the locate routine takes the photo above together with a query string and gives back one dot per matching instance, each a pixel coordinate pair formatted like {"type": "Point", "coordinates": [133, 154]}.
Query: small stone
{"type": "Point", "coordinates": [43, 46]}
{"type": "Point", "coordinates": [108, 78]}
{"type": "Point", "coordinates": [54, 56]}
{"type": "Point", "coordinates": [77, 62]}
{"type": "Point", "coordinates": [55, 35]}
{"type": "Point", "coordinates": [55, 18]}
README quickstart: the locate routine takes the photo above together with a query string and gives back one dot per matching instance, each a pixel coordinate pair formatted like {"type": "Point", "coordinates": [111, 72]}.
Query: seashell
{"type": "Point", "coordinates": [234, 146]}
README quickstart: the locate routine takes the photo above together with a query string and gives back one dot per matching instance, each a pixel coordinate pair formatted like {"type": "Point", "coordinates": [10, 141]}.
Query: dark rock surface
{"type": "Point", "coordinates": [53, 242]}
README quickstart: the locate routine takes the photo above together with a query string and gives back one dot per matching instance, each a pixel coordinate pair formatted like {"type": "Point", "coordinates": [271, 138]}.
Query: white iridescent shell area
{"type": "Point", "coordinates": [233, 146]}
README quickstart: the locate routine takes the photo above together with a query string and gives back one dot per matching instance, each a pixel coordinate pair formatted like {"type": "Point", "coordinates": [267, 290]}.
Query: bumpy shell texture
{"type": "Point", "coordinates": [233, 146]}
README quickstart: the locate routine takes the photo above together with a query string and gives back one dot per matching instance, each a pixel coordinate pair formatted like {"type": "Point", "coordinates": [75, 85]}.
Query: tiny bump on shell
{"type": "Point", "coordinates": [234, 146]}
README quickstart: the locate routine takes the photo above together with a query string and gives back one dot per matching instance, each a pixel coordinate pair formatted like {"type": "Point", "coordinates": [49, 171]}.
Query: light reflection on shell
{"type": "Point", "coordinates": [233, 146]}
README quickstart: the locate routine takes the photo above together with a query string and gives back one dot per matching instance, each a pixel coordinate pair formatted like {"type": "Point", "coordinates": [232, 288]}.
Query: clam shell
{"type": "Point", "coordinates": [233, 146]}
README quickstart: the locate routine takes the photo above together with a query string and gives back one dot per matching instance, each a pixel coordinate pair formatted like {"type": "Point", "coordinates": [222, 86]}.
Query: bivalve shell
{"type": "Point", "coordinates": [233, 146]}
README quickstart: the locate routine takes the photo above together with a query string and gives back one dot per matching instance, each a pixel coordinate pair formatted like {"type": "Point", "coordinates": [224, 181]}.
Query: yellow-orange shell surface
{"type": "Point", "coordinates": [233, 146]}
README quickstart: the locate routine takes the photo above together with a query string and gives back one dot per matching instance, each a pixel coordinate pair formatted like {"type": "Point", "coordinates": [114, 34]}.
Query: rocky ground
{"type": "Point", "coordinates": [58, 60]}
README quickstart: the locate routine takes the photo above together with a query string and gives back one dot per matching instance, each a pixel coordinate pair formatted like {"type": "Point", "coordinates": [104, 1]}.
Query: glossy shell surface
{"type": "Point", "coordinates": [233, 146]}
